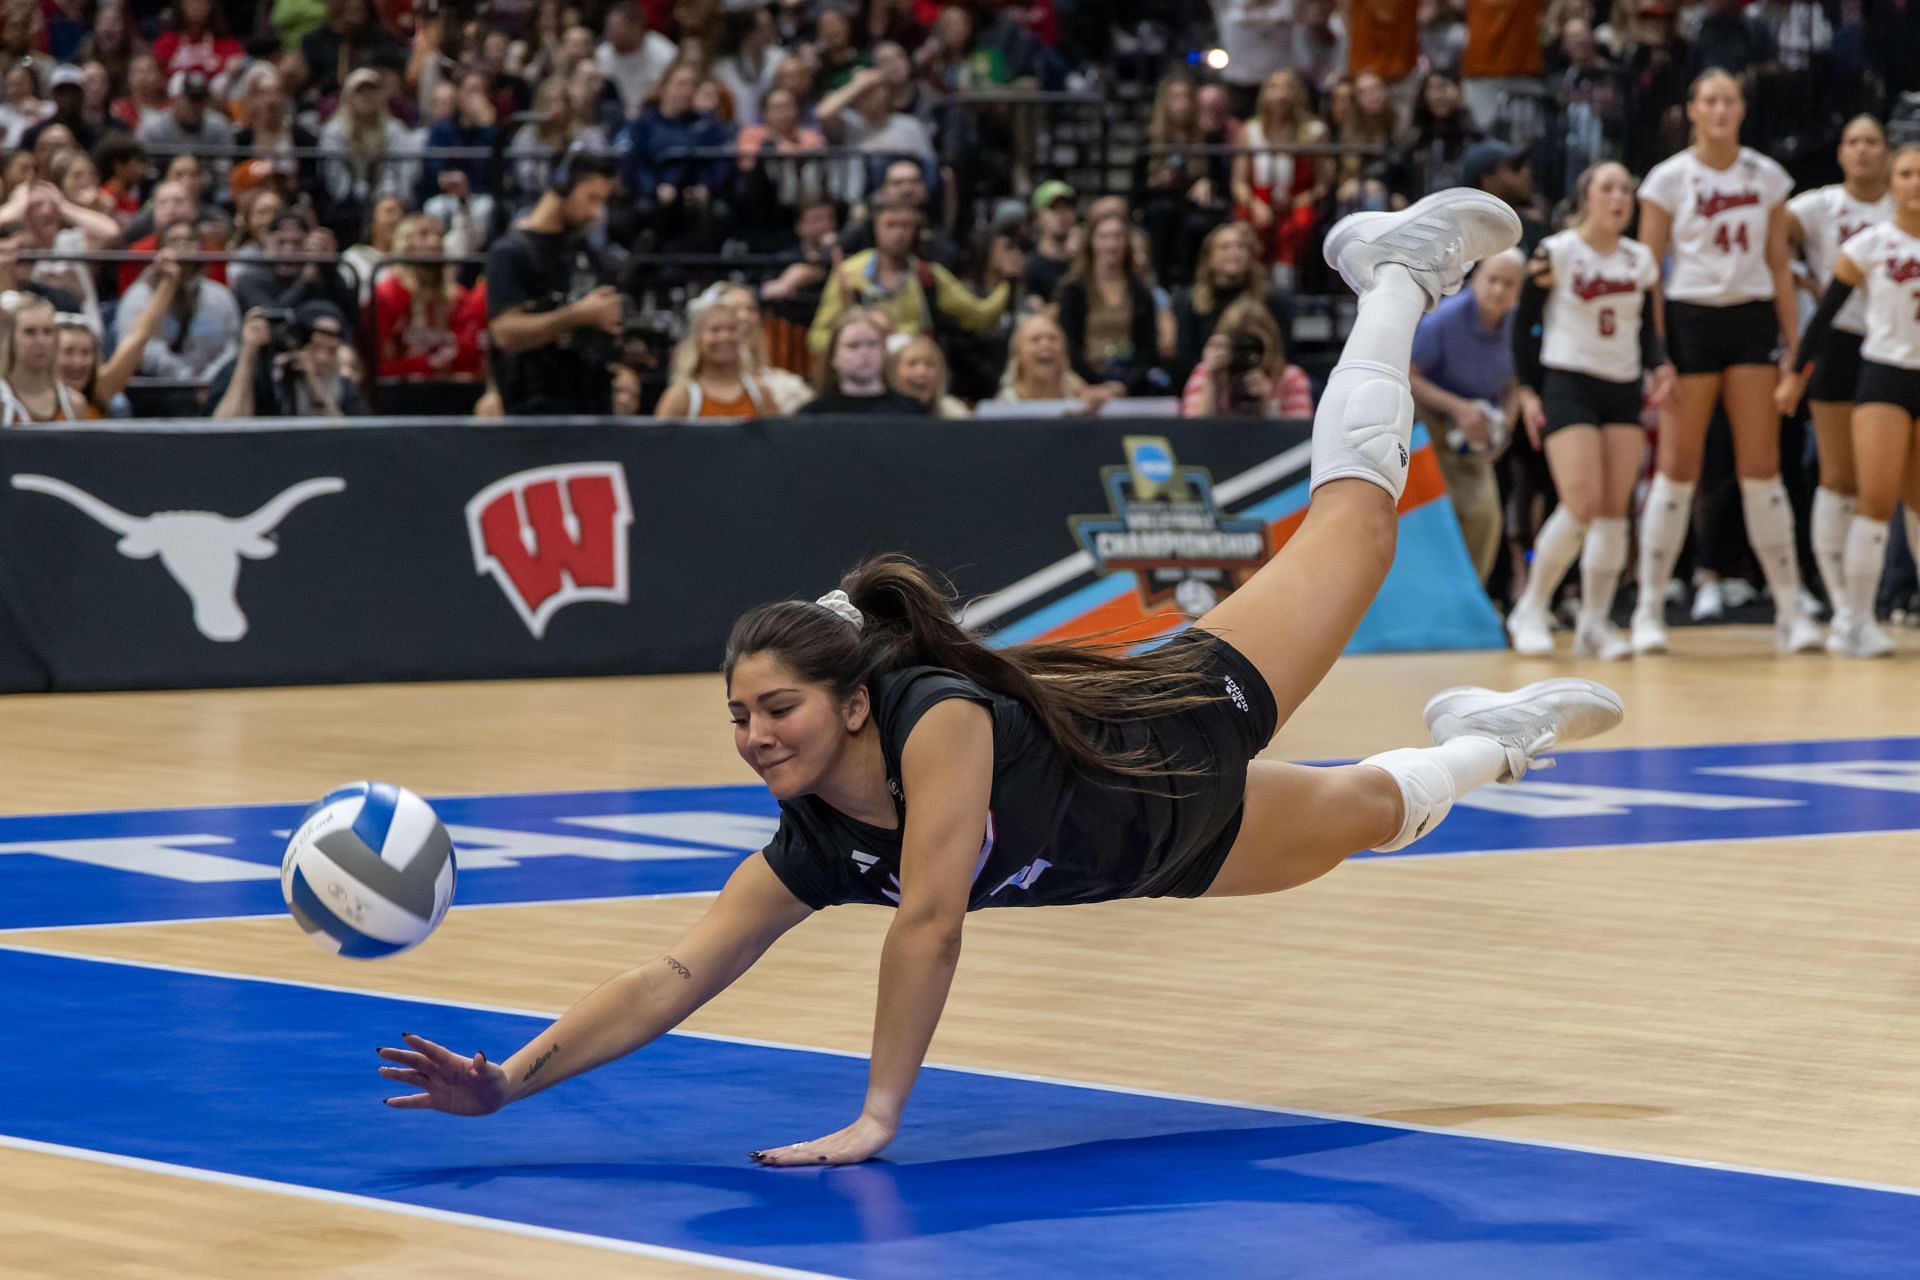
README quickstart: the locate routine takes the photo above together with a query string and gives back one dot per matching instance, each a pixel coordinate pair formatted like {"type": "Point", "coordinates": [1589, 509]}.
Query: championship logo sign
{"type": "Point", "coordinates": [1166, 528]}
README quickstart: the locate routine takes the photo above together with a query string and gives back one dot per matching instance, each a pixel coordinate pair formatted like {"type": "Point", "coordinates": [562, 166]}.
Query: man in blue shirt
{"type": "Point", "coordinates": [1462, 368]}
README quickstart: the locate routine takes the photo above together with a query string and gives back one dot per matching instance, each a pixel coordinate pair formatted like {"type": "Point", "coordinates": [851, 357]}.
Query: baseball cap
{"type": "Point", "coordinates": [189, 84]}
{"type": "Point", "coordinates": [364, 75]}
{"type": "Point", "coordinates": [66, 74]}
{"type": "Point", "coordinates": [1052, 192]}
{"type": "Point", "coordinates": [1480, 158]}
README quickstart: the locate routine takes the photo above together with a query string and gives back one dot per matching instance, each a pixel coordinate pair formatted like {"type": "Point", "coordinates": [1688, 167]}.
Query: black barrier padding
{"type": "Point", "coordinates": [378, 581]}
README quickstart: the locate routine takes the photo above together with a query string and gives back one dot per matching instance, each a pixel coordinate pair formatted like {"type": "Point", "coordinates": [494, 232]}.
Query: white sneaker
{"type": "Point", "coordinates": [1527, 722]}
{"type": "Point", "coordinates": [1709, 602]}
{"type": "Point", "coordinates": [1436, 239]}
{"type": "Point", "coordinates": [1598, 638]}
{"type": "Point", "coordinates": [1838, 630]}
{"type": "Point", "coordinates": [1866, 638]}
{"type": "Point", "coordinates": [1798, 633]}
{"type": "Point", "coordinates": [1649, 633]}
{"type": "Point", "coordinates": [1532, 631]}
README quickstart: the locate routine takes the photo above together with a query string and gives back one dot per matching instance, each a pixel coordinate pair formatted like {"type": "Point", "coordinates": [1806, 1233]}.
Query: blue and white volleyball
{"type": "Point", "coordinates": [369, 872]}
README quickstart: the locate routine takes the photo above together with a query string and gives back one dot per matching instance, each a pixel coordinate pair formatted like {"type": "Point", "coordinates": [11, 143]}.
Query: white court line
{"type": "Point", "coordinates": [1472, 1135]}
{"type": "Point", "coordinates": [280, 915]}
{"type": "Point", "coordinates": [1636, 844]}
{"type": "Point", "coordinates": [505, 1226]}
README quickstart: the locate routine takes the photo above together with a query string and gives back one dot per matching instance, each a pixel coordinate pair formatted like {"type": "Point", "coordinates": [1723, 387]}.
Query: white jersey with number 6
{"type": "Point", "coordinates": [1889, 259]}
{"type": "Point", "coordinates": [1596, 306]}
{"type": "Point", "coordinates": [1829, 217]}
{"type": "Point", "coordinates": [1719, 225]}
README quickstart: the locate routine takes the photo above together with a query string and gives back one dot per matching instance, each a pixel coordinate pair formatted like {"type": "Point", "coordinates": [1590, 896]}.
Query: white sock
{"type": "Point", "coordinates": [1663, 528]}
{"type": "Point", "coordinates": [1770, 534]}
{"type": "Point", "coordinates": [1554, 550]}
{"type": "Point", "coordinates": [1363, 427]}
{"type": "Point", "coordinates": [1432, 778]}
{"type": "Point", "coordinates": [1866, 557]}
{"type": "Point", "coordinates": [1601, 561]}
{"type": "Point", "coordinates": [1831, 513]}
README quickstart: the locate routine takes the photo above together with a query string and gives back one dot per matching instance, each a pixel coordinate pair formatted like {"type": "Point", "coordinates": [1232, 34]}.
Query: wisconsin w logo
{"type": "Point", "coordinates": [554, 536]}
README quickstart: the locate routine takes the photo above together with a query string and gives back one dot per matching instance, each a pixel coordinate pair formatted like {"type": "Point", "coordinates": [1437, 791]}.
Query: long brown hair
{"type": "Point", "coordinates": [1208, 292]}
{"type": "Point", "coordinates": [910, 622]}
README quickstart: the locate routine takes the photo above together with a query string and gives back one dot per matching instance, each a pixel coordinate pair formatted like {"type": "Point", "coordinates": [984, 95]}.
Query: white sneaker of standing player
{"type": "Point", "coordinates": [1838, 631]}
{"type": "Point", "coordinates": [1863, 638]}
{"type": "Point", "coordinates": [1649, 632]}
{"type": "Point", "coordinates": [1527, 723]}
{"type": "Point", "coordinates": [1435, 239]}
{"type": "Point", "coordinates": [1798, 633]}
{"type": "Point", "coordinates": [1598, 638]}
{"type": "Point", "coordinates": [1532, 631]}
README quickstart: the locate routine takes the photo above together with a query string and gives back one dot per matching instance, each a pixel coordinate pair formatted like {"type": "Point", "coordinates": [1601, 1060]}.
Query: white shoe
{"type": "Point", "coordinates": [1649, 633]}
{"type": "Point", "coordinates": [1798, 633]}
{"type": "Point", "coordinates": [1709, 602]}
{"type": "Point", "coordinates": [1598, 638]}
{"type": "Point", "coordinates": [1737, 593]}
{"type": "Point", "coordinates": [1838, 630]}
{"type": "Point", "coordinates": [1436, 239]}
{"type": "Point", "coordinates": [1527, 722]}
{"type": "Point", "coordinates": [1866, 638]}
{"type": "Point", "coordinates": [1532, 631]}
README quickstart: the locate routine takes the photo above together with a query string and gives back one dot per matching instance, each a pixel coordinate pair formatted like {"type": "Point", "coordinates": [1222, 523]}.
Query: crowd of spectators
{"type": "Point", "coordinates": [517, 206]}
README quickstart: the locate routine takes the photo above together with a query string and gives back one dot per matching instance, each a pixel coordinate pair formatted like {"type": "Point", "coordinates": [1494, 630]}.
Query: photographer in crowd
{"type": "Point", "coordinates": [302, 377]}
{"type": "Point", "coordinates": [1243, 370]}
{"type": "Point", "coordinates": [554, 319]}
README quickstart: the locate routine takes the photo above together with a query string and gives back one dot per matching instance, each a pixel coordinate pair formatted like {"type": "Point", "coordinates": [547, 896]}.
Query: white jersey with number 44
{"type": "Point", "coordinates": [1719, 225]}
{"type": "Point", "coordinates": [1596, 306]}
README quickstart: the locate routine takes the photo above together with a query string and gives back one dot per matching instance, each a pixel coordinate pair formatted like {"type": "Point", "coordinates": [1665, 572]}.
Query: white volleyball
{"type": "Point", "coordinates": [369, 872]}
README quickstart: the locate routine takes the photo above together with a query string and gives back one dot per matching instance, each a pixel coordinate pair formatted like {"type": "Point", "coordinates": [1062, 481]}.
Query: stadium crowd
{"type": "Point", "coordinates": [725, 209]}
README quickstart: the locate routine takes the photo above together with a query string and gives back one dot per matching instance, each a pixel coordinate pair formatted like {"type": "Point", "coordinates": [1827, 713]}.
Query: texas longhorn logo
{"type": "Point", "coordinates": [554, 536]}
{"type": "Point", "coordinates": [201, 549]}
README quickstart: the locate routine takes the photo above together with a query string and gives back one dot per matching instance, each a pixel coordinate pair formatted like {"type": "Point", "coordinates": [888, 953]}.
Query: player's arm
{"type": "Point", "coordinates": [947, 768]}
{"type": "Point", "coordinates": [1847, 277]}
{"type": "Point", "coordinates": [622, 1014]}
{"type": "Point", "coordinates": [1786, 298]}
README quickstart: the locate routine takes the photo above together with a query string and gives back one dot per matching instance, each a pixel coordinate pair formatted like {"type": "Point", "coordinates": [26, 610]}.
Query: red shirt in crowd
{"type": "Point", "coordinates": [209, 55]}
{"type": "Point", "coordinates": [130, 271]}
{"type": "Point", "coordinates": [444, 342]}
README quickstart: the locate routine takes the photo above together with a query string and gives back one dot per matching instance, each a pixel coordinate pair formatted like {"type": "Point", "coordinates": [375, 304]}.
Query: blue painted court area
{"type": "Point", "coordinates": [992, 1177]}
{"type": "Point", "coordinates": [173, 864]}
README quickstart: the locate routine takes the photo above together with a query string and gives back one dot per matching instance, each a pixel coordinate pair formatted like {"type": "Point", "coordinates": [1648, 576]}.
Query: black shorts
{"type": "Point", "coordinates": [1714, 339]}
{"type": "Point", "coordinates": [1580, 399]}
{"type": "Point", "coordinates": [1889, 384]}
{"type": "Point", "coordinates": [1198, 819]}
{"type": "Point", "coordinates": [1836, 368]}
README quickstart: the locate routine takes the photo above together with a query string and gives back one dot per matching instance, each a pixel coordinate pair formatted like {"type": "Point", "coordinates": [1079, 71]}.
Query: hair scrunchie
{"type": "Point", "coordinates": [837, 602]}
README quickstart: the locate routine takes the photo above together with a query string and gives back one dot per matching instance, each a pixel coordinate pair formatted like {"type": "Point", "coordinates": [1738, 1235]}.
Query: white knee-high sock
{"type": "Point", "coordinates": [1831, 513]}
{"type": "Point", "coordinates": [1770, 534]}
{"type": "Point", "coordinates": [1601, 561]}
{"type": "Point", "coordinates": [1663, 528]}
{"type": "Point", "coordinates": [1432, 778]}
{"type": "Point", "coordinates": [1363, 427]}
{"type": "Point", "coordinates": [1866, 557]}
{"type": "Point", "coordinates": [1554, 550]}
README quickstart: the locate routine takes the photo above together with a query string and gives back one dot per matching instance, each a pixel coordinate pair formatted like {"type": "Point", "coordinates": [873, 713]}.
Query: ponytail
{"type": "Point", "coordinates": [908, 621]}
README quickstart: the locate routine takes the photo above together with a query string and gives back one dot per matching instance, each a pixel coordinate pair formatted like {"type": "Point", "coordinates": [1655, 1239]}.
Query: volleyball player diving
{"type": "Point", "coordinates": [916, 767]}
{"type": "Point", "coordinates": [1884, 262]}
{"type": "Point", "coordinates": [1720, 207]}
{"type": "Point", "coordinates": [1818, 222]}
{"type": "Point", "coordinates": [1595, 294]}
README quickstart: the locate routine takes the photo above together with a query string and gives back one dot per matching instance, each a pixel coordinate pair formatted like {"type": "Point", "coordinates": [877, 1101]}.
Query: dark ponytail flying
{"type": "Point", "coordinates": [909, 622]}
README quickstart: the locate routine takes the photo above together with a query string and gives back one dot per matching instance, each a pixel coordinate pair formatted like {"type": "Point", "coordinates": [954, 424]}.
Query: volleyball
{"type": "Point", "coordinates": [369, 871]}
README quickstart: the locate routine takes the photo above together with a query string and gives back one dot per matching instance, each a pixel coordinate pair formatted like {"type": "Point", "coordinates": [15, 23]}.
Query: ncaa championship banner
{"type": "Point", "coordinates": [217, 555]}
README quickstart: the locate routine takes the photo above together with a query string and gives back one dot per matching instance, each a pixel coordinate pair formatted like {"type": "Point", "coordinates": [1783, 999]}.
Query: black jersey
{"type": "Point", "coordinates": [1054, 834]}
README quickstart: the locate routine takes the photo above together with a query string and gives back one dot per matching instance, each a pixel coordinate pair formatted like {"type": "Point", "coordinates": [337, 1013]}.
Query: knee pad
{"type": "Point", "coordinates": [1364, 427]}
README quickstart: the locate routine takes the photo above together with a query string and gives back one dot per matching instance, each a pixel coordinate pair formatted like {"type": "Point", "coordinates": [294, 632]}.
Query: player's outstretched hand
{"type": "Point", "coordinates": [459, 1086]}
{"type": "Point", "coordinates": [861, 1140]}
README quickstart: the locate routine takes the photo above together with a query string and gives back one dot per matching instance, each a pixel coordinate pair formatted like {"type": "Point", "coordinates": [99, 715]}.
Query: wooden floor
{"type": "Point", "coordinates": [1752, 1004]}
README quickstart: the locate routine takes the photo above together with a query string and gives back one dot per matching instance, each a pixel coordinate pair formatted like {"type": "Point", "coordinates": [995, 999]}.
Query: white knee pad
{"type": "Point", "coordinates": [1426, 792]}
{"type": "Point", "coordinates": [1364, 427]}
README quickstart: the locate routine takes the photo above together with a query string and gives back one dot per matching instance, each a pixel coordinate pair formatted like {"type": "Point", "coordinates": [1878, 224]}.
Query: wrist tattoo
{"type": "Point", "coordinates": [540, 1062]}
{"type": "Point", "coordinates": [679, 968]}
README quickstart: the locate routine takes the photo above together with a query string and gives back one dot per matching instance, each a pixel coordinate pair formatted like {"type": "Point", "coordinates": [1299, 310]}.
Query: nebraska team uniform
{"type": "Point", "coordinates": [1720, 292]}
{"type": "Point", "coordinates": [1054, 834]}
{"type": "Point", "coordinates": [1592, 347]}
{"type": "Point", "coordinates": [1829, 217]}
{"type": "Point", "coordinates": [1889, 259]}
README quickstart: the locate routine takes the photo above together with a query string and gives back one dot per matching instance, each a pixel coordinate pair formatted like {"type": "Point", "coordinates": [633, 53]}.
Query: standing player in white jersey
{"type": "Point", "coordinates": [1818, 223]}
{"type": "Point", "coordinates": [1721, 208]}
{"type": "Point", "coordinates": [1596, 296]}
{"type": "Point", "coordinates": [1884, 260]}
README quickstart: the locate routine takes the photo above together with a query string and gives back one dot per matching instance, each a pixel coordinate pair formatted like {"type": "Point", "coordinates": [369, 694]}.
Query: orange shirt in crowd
{"type": "Point", "coordinates": [1503, 38]}
{"type": "Point", "coordinates": [1383, 36]}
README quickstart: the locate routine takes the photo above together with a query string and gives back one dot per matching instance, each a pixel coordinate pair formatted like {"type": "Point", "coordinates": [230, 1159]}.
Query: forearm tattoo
{"type": "Point", "coordinates": [540, 1062]}
{"type": "Point", "coordinates": [679, 968]}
